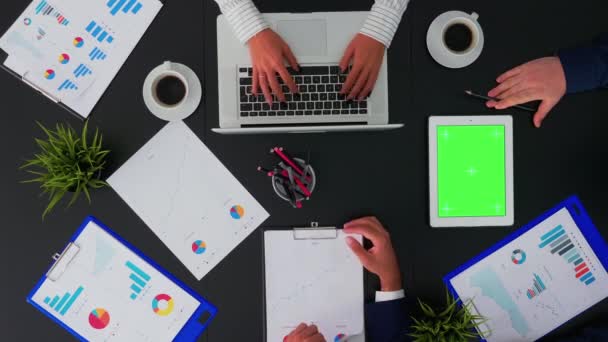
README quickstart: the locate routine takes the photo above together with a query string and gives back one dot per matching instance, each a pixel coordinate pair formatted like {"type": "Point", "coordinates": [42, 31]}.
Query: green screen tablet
{"type": "Point", "coordinates": [471, 171]}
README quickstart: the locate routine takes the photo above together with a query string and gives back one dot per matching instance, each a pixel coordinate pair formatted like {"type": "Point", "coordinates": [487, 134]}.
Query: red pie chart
{"type": "Point", "coordinates": [99, 318]}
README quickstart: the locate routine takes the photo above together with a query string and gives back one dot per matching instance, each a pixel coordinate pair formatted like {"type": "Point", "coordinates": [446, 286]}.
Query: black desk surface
{"type": "Point", "coordinates": [384, 174]}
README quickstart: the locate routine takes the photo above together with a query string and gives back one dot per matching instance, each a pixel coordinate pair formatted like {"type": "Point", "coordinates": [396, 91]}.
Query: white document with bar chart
{"type": "Point", "coordinates": [539, 278]}
{"type": "Point", "coordinates": [188, 198]}
{"type": "Point", "coordinates": [70, 50]}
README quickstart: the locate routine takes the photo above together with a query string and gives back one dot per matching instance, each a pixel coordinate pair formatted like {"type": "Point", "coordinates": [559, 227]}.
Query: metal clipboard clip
{"type": "Point", "coordinates": [62, 261]}
{"type": "Point", "coordinates": [314, 232]}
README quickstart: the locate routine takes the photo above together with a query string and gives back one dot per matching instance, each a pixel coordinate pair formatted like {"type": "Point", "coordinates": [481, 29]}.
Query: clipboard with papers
{"type": "Point", "coordinates": [102, 288]}
{"type": "Point", "coordinates": [538, 278]}
{"type": "Point", "coordinates": [71, 50]}
{"type": "Point", "coordinates": [306, 270]}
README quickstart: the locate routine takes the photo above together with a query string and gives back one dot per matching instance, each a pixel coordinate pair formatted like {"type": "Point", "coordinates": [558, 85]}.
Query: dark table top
{"type": "Point", "coordinates": [383, 174]}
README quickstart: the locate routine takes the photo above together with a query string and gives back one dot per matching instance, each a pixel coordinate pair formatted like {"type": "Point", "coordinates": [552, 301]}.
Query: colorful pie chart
{"type": "Point", "coordinates": [518, 257]}
{"type": "Point", "coordinates": [199, 247]}
{"type": "Point", "coordinates": [237, 212]}
{"type": "Point", "coordinates": [339, 337]}
{"type": "Point", "coordinates": [49, 74]}
{"type": "Point", "coordinates": [78, 42]}
{"type": "Point", "coordinates": [162, 304]}
{"type": "Point", "coordinates": [64, 58]}
{"type": "Point", "coordinates": [99, 318]}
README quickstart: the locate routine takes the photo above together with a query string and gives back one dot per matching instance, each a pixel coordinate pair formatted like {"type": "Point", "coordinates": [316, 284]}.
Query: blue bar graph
{"type": "Point", "coordinates": [574, 257]}
{"type": "Point", "coordinates": [67, 84]}
{"type": "Point", "coordinates": [589, 281]}
{"type": "Point", "coordinates": [99, 32]}
{"type": "Point", "coordinates": [44, 8]}
{"type": "Point", "coordinates": [139, 278]}
{"type": "Point", "coordinates": [125, 6]}
{"type": "Point", "coordinates": [97, 54]}
{"type": "Point", "coordinates": [82, 70]}
{"type": "Point", "coordinates": [551, 236]}
{"type": "Point", "coordinates": [66, 301]}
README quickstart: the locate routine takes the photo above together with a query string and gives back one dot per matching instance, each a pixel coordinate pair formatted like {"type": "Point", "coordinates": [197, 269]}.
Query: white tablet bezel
{"type": "Point", "coordinates": [506, 220]}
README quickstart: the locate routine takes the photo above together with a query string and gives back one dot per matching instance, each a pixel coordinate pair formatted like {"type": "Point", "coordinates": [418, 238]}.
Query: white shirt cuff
{"type": "Point", "coordinates": [385, 296]}
{"type": "Point", "coordinates": [245, 19]}
{"type": "Point", "coordinates": [382, 22]}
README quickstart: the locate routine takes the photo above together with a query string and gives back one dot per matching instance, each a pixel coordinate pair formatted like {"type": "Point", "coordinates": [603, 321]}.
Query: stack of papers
{"type": "Point", "coordinates": [71, 50]}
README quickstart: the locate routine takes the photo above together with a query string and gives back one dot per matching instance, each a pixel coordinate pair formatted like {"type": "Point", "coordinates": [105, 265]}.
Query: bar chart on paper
{"type": "Point", "coordinates": [61, 304]}
{"type": "Point", "coordinates": [100, 32]}
{"type": "Point", "coordinates": [538, 286]}
{"type": "Point", "coordinates": [97, 54]}
{"type": "Point", "coordinates": [82, 70]}
{"type": "Point", "coordinates": [558, 241]}
{"type": "Point", "coordinates": [67, 85]}
{"type": "Point", "coordinates": [124, 6]}
{"type": "Point", "coordinates": [46, 9]}
{"type": "Point", "coordinates": [140, 279]}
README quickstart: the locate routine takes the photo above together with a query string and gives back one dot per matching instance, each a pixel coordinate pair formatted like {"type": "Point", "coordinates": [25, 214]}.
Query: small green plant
{"type": "Point", "coordinates": [453, 324]}
{"type": "Point", "coordinates": [67, 162]}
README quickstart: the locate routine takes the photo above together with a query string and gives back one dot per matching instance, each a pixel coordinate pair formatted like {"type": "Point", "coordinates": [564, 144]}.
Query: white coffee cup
{"type": "Point", "coordinates": [441, 52]}
{"type": "Point", "coordinates": [168, 70]}
{"type": "Point", "coordinates": [182, 108]}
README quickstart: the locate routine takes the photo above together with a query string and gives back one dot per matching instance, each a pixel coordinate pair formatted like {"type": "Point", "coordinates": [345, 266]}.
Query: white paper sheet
{"type": "Point", "coordinates": [58, 42]}
{"type": "Point", "coordinates": [96, 299]}
{"type": "Point", "coordinates": [525, 290]}
{"type": "Point", "coordinates": [316, 281]}
{"type": "Point", "coordinates": [188, 198]}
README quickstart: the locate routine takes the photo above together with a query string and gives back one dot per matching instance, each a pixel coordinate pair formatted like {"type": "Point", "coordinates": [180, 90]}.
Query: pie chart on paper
{"type": "Point", "coordinates": [237, 212]}
{"type": "Point", "coordinates": [99, 318]}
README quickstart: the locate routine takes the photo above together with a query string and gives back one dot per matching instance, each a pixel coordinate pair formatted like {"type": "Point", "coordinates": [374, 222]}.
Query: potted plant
{"type": "Point", "coordinates": [454, 323]}
{"type": "Point", "coordinates": [68, 162]}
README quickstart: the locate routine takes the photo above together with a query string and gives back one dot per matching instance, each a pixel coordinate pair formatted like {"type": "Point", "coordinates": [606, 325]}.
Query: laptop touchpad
{"type": "Point", "coordinates": [305, 37]}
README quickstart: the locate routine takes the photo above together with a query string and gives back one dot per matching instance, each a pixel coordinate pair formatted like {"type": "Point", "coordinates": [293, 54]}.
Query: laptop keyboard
{"type": "Point", "coordinates": [319, 94]}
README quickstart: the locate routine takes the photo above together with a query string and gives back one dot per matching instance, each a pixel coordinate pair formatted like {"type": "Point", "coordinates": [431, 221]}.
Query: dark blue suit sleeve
{"type": "Point", "coordinates": [586, 67]}
{"type": "Point", "coordinates": [387, 321]}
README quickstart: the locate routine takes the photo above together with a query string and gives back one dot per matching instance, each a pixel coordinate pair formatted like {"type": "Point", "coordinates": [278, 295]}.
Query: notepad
{"type": "Point", "coordinates": [313, 277]}
{"type": "Point", "coordinates": [188, 198]}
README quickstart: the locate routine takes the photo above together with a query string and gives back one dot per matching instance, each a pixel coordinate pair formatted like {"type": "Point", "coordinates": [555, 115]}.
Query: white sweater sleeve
{"type": "Point", "coordinates": [244, 17]}
{"type": "Point", "coordinates": [384, 19]}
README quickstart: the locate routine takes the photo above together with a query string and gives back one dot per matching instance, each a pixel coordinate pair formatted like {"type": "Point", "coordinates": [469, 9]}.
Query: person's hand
{"type": "Point", "coordinates": [305, 333]}
{"type": "Point", "coordinates": [541, 79]}
{"type": "Point", "coordinates": [366, 54]}
{"type": "Point", "coordinates": [268, 52]}
{"type": "Point", "coordinates": [380, 259]}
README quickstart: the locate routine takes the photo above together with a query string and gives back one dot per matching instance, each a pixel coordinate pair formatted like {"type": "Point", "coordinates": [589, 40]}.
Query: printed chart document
{"type": "Point", "coordinates": [71, 49]}
{"type": "Point", "coordinates": [102, 291]}
{"type": "Point", "coordinates": [188, 198]}
{"type": "Point", "coordinates": [313, 279]}
{"type": "Point", "coordinates": [538, 281]}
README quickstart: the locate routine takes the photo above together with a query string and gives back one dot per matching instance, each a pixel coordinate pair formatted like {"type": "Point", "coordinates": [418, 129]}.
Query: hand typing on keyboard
{"type": "Point", "coordinates": [268, 53]}
{"type": "Point", "coordinates": [366, 54]}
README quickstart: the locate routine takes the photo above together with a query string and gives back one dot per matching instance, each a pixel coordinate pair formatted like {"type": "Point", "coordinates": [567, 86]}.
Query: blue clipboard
{"type": "Point", "coordinates": [192, 329]}
{"type": "Point", "coordinates": [582, 220]}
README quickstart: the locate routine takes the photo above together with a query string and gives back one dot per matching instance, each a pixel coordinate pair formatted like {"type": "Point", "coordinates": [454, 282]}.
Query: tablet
{"type": "Point", "coordinates": [471, 171]}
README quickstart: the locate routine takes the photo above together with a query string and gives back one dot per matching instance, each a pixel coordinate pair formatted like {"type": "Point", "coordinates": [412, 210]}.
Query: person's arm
{"type": "Point", "coordinates": [387, 319]}
{"type": "Point", "coordinates": [383, 20]}
{"type": "Point", "coordinates": [586, 68]}
{"type": "Point", "coordinates": [267, 49]}
{"type": "Point", "coordinates": [367, 49]}
{"type": "Point", "coordinates": [244, 18]}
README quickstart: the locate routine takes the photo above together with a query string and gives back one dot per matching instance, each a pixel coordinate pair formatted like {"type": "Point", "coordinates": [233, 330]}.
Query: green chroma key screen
{"type": "Point", "coordinates": [471, 178]}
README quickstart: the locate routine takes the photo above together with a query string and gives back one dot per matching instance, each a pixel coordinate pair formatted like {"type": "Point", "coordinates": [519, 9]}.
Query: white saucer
{"type": "Point", "coordinates": [187, 106]}
{"type": "Point", "coordinates": [440, 53]}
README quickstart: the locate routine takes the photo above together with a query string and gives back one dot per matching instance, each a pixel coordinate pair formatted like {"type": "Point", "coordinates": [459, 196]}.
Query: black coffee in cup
{"type": "Point", "coordinates": [170, 90]}
{"type": "Point", "coordinates": [458, 37]}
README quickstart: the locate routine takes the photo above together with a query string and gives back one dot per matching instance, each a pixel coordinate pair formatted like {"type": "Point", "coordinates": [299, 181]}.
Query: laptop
{"type": "Point", "coordinates": [318, 40]}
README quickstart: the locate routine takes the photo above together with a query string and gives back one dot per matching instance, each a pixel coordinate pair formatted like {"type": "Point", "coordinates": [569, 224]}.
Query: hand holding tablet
{"type": "Point", "coordinates": [471, 171]}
